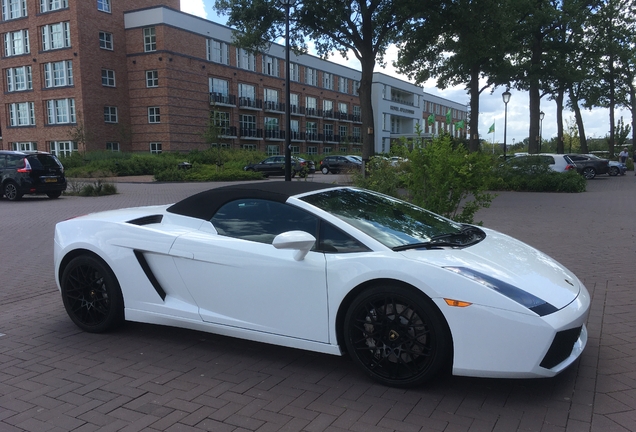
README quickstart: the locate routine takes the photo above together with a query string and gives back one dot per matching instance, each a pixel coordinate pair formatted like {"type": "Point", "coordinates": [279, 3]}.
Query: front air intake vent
{"type": "Point", "coordinates": [561, 347]}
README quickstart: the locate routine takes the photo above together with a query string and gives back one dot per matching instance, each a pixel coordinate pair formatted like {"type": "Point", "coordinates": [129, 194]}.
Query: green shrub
{"type": "Point", "coordinates": [532, 176]}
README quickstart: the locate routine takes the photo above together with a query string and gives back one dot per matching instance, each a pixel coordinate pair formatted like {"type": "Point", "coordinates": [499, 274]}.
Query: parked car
{"type": "Point", "coordinates": [23, 173]}
{"type": "Point", "coordinates": [615, 167]}
{"type": "Point", "coordinates": [275, 165]}
{"type": "Point", "coordinates": [408, 294]}
{"type": "Point", "coordinates": [335, 164]}
{"type": "Point", "coordinates": [555, 162]}
{"type": "Point", "coordinates": [589, 166]}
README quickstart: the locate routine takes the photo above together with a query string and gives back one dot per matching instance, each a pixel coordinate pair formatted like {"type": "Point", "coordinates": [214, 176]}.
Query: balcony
{"type": "Point", "coordinates": [251, 104]}
{"type": "Point", "coordinates": [356, 118]}
{"type": "Point", "coordinates": [328, 114]}
{"type": "Point", "coordinates": [313, 136]}
{"type": "Point", "coordinates": [297, 110]}
{"type": "Point", "coordinates": [353, 139]}
{"type": "Point", "coordinates": [251, 133]}
{"type": "Point", "coordinates": [271, 106]}
{"type": "Point", "coordinates": [227, 132]}
{"type": "Point", "coordinates": [297, 136]}
{"type": "Point", "coordinates": [274, 134]}
{"type": "Point", "coordinates": [343, 116]}
{"type": "Point", "coordinates": [313, 112]}
{"type": "Point", "coordinates": [221, 99]}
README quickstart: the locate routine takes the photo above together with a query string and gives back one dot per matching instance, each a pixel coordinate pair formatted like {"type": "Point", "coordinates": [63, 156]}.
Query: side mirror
{"type": "Point", "coordinates": [300, 241]}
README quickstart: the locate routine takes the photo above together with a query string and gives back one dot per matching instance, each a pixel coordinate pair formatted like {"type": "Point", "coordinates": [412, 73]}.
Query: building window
{"type": "Point", "coordinates": [294, 72]}
{"type": "Point", "coordinates": [155, 147]}
{"type": "Point", "coordinates": [51, 5]}
{"type": "Point", "coordinates": [247, 124]}
{"type": "Point", "coordinates": [154, 115]}
{"type": "Point", "coordinates": [311, 128]}
{"type": "Point", "coordinates": [58, 74]}
{"type": "Point", "coordinates": [247, 91]}
{"type": "Point", "coordinates": [24, 146]}
{"type": "Point", "coordinates": [272, 150]}
{"type": "Point", "coordinates": [327, 108]}
{"type": "Point", "coordinates": [270, 95]}
{"type": "Point", "coordinates": [103, 5]}
{"type": "Point", "coordinates": [356, 133]}
{"type": "Point", "coordinates": [312, 150]}
{"type": "Point", "coordinates": [293, 103]}
{"type": "Point", "coordinates": [152, 78]}
{"type": "Point", "coordinates": [219, 86]}
{"type": "Point", "coordinates": [60, 111]}
{"type": "Point", "coordinates": [311, 76]}
{"type": "Point", "coordinates": [150, 39]}
{"type": "Point", "coordinates": [250, 147]}
{"type": "Point", "coordinates": [270, 66]}
{"type": "Point", "coordinates": [108, 78]}
{"type": "Point", "coordinates": [328, 131]}
{"type": "Point", "coordinates": [327, 80]}
{"type": "Point", "coordinates": [12, 9]}
{"type": "Point", "coordinates": [343, 85]}
{"type": "Point", "coordinates": [22, 114]}
{"type": "Point", "coordinates": [63, 148]}
{"type": "Point", "coordinates": [110, 114]}
{"type": "Point", "coordinates": [218, 52]}
{"type": "Point", "coordinates": [112, 146]}
{"type": "Point", "coordinates": [245, 60]}
{"type": "Point", "coordinates": [356, 88]}
{"type": "Point", "coordinates": [16, 43]}
{"type": "Point", "coordinates": [271, 124]}
{"type": "Point", "coordinates": [356, 113]}
{"type": "Point", "coordinates": [343, 133]}
{"type": "Point", "coordinates": [326, 150]}
{"type": "Point", "coordinates": [56, 36]}
{"type": "Point", "coordinates": [311, 104]}
{"type": "Point", "coordinates": [19, 79]}
{"type": "Point", "coordinates": [222, 122]}
{"type": "Point", "coordinates": [342, 107]}
{"type": "Point", "coordinates": [106, 40]}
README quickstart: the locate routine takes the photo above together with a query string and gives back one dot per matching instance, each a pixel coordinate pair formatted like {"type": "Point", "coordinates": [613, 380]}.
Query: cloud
{"type": "Point", "coordinates": [194, 7]}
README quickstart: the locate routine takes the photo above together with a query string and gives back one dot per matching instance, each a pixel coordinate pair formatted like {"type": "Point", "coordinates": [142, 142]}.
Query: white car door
{"type": "Point", "coordinates": [248, 283]}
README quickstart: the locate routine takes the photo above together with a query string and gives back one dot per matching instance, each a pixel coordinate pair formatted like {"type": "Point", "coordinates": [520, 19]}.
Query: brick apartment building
{"type": "Point", "coordinates": [139, 75]}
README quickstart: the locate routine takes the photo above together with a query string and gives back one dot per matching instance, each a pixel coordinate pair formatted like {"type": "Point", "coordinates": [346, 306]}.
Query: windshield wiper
{"type": "Point", "coordinates": [467, 236]}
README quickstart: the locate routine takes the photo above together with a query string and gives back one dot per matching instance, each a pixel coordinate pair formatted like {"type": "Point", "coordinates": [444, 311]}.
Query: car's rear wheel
{"type": "Point", "coordinates": [53, 195]}
{"type": "Point", "coordinates": [614, 171]}
{"type": "Point", "coordinates": [589, 173]}
{"type": "Point", "coordinates": [12, 192]}
{"type": "Point", "coordinates": [397, 335]}
{"type": "Point", "coordinates": [91, 294]}
{"type": "Point", "coordinates": [325, 170]}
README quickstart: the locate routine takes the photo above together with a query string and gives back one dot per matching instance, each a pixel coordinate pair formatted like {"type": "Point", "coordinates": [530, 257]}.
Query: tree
{"type": "Point", "coordinates": [362, 27]}
{"type": "Point", "coordinates": [462, 42]}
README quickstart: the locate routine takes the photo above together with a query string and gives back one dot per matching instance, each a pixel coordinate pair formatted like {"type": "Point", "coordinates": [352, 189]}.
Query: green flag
{"type": "Point", "coordinates": [492, 128]}
{"type": "Point", "coordinates": [460, 124]}
{"type": "Point", "coordinates": [448, 116]}
{"type": "Point", "coordinates": [431, 119]}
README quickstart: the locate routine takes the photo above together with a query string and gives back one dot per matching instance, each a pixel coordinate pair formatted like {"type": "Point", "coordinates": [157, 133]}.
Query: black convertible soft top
{"type": "Point", "coordinates": [205, 204]}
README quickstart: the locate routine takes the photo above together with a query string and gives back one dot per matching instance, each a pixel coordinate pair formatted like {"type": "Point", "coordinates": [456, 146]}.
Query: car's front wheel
{"type": "Point", "coordinates": [12, 192]}
{"type": "Point", "coordinates": [589, 173]}
{"type": "Point", "coordinates": [91, 294]}
{"type": "Point", "coordinates": [397, 335]}
{"type": "Point", "coordinates": [614, 171]}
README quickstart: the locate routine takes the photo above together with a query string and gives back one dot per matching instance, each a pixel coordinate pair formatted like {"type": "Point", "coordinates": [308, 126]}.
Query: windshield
{"type": "Point", "coordinates": [392, 222]}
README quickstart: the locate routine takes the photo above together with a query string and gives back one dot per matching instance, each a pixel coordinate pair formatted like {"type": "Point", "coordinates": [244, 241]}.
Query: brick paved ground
{"type": "Point", "coordinates": [53, 377]}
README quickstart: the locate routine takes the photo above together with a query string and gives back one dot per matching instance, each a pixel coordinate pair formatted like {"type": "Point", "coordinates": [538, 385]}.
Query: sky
{"type": "Point", "coordinates": [491, 106]}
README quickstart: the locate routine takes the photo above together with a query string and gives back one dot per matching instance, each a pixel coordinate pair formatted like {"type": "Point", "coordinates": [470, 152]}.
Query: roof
{"type": "Point", "coordinates": [205, 204]}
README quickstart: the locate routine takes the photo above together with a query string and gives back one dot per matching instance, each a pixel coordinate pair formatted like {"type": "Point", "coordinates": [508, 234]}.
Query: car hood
{"type": "Point", "coordinates": [511, 261]}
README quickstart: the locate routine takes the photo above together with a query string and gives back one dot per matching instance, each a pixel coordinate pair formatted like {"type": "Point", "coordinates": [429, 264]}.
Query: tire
{"type": "Point", "coordinates": [54, 195]}
{"type": "Point", "coordinates": [589, 173]}
{"type": "Point", "coordinates": [397, 336]}
{"type": "Point", "coordinates": [614, 171]}
{"type": "Point", "coordinates": [91, 294]}
{"type": "Point", "coordinates": [12, 192]}
{"type": "Point", "coordinates": [325, 170]}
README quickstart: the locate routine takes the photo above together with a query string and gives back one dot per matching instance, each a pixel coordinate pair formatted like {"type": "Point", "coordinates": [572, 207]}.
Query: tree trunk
{"type": "Point", "coordinates": [559, 113]}
{"type": "Point", "coordinates": [366, 108]}
{"type": "Point", "coordinates": [579, 123]}
{"type": "Point", "coordinates": [474, 141]}
{"type": "Point", "coordinates": [612, 104]}
{"type": "Point", "coordinates": [533, 91]}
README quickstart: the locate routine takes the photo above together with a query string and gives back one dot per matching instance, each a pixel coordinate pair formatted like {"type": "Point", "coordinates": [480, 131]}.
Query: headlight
{"type": "Point", "coordinates": [532, 302]}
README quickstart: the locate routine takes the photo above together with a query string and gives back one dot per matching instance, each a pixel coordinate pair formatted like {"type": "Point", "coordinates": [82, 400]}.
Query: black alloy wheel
{"type": "Point", "coordinates": [397, 335]}
{"type": "Point", "coordinates": [589, 173]}
{"type": "Point", "coordinates": [54, 194]}
{"type": "Point", "coordinates": [11, 191]}
{"type": "Point", "coordinates": [91, 295]}
{"type": "Point", "coordinates": [614, 171]}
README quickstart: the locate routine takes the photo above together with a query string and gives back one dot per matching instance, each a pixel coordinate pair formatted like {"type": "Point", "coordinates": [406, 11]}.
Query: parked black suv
{"type": "Point", "coordinates": [335, 164]}
{"type": "Point", "coordinates": [30, 173]}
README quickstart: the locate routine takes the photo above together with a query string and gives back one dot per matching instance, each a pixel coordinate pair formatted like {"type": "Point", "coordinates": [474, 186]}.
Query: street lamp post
{"type": "Point", "coordinates": [288, 171]}
{"type": "Point", "coordinates": [506, 98]}
{"type": "Point", "coordinates": [541, 116]}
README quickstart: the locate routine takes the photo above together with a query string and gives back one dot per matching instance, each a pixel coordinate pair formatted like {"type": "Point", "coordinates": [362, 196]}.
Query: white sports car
{"type": "Point", "coordinates": [405, 292]}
